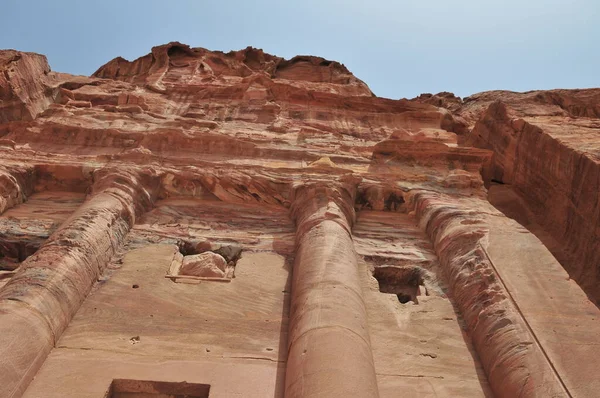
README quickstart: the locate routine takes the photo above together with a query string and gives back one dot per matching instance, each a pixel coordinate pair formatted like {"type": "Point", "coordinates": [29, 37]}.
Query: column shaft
{"type": "Point", "coordinates": [37, 304]}
{"type": "Point", "coordinates": [329, 351]}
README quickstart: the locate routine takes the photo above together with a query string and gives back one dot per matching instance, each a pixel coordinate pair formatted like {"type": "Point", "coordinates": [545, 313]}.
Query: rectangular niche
{"type": "Point", "coordinates": [204, 261]}
{"type": "Point", "coordinates": [127, 388]}
{"type": "Point", "coordinates": [406, 282]}
{"type": "Point", "coordinates": [13, 252]}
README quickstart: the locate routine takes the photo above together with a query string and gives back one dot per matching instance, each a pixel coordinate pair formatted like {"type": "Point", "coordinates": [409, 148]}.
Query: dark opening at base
{"type": "Point", "coordinates": [126, 388]}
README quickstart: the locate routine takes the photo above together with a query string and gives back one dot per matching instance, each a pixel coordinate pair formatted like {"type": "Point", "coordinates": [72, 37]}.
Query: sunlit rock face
{"type": "Point", "coordinates": [546, 146]}
{"type": "Point", "coordinates": [259, 227]}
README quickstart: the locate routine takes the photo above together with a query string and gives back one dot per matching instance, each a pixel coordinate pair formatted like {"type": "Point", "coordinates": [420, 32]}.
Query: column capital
{"type": "Point", "coordinates": [314, 201]}
{"type": "Point", "coordinates": [137, 189]}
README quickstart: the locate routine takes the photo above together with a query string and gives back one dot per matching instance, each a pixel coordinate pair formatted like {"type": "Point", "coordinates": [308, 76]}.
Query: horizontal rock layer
{"type": "Point", "coordinates": [186, 151]}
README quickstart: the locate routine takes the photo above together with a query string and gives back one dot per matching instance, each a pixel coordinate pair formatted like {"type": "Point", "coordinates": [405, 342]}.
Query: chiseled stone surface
{"type": "Point", "coordinates": [364, 256]}
{"type": "Point", "coordinates": [230, 336]}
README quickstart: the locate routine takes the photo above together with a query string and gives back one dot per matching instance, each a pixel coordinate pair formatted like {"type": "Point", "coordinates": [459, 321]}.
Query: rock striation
{"type": "Point", "coordinates": [438, 246]}
{"type": "Point", "coordinates": [546, 148]}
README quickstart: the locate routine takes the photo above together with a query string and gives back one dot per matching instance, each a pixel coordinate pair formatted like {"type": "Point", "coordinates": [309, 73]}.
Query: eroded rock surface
{"type": "Point", "coordinates": [204, 265]}
{"type": "Point", "coordinates": [368, 259]}
{"type": "Point", "coordinates": [546, 147]}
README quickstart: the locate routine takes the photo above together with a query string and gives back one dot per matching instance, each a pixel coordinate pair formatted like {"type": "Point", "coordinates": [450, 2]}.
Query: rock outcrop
{"type": "Point", "coordinates": [360, 247]}
{"type": "Point", "coordinates": [546, 147]}
{"type": "Point", "coordinates": [26, 87]}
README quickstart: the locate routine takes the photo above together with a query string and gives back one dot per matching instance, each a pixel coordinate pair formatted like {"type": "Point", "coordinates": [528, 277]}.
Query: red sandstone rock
{"type": "Point", "coordinates": [546, 147]}
{"type": "Point", "coordinates": [25, 85]}
{"type": "Point", "coordinates": [368, 259]}
{"type": "Point", "coordinates": [210, 265]}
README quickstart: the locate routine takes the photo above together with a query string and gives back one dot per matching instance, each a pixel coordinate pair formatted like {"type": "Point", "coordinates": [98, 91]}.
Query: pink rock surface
{"type": "Point", "coordinates": [207, 264]}
{"type": "Point", "coordinates": [546, 146]}
{"type": "Point", "coordinates": [371, 259]}
{"type": "Point", "coordinates": [26, 85]}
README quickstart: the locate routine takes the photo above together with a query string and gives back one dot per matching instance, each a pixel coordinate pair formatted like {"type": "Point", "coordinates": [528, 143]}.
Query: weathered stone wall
{"type": "Point", "coordinates": [187, 151]}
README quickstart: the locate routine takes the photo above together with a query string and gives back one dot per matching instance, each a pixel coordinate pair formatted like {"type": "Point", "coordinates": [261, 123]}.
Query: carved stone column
{"type": "Point", "coordinates": [37, 304]}
{"type": "Point", "coordinates": [329, 349]}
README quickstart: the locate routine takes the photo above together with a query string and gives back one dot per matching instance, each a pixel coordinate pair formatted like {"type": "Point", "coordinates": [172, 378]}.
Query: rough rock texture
{"type": "Point", "coordinates": [26, 87]}
{"type": "Point", "coordinates": [204, 265]}
{"type": "Point", "coordinates": [368, 258]}
{"type": "Point", "coordinates": [546, 147]}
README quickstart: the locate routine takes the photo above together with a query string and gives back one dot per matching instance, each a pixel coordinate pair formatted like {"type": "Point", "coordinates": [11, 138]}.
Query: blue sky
{"type": "Point", "coordinates": [399, 48]}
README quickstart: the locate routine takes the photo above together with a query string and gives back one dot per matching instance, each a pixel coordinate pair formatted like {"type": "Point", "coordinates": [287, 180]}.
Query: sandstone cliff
{"type": "Point", "coordinates": [358, 251]}
{"type": "Point", "coordinates": [545, 146]}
